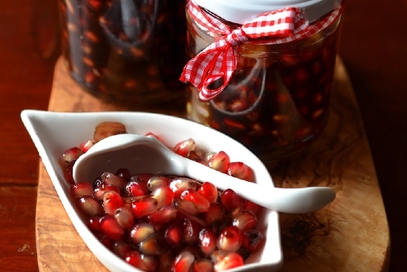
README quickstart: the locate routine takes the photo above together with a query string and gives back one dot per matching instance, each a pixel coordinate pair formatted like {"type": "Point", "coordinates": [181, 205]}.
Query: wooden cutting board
{"type": "Point", "coordinates": [351, 234]}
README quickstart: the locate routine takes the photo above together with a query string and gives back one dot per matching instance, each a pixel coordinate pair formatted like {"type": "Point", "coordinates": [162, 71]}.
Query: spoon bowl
{"type": "Point", "coordinates": [146, 154]}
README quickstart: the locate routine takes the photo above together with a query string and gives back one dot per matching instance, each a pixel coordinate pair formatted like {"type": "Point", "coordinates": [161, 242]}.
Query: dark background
{"type": "Point", "coordinates": [374, 50]}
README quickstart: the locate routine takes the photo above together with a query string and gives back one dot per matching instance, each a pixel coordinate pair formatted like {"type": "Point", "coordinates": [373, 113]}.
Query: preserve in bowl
{"type": "Point", "coordinates": [54, 132]}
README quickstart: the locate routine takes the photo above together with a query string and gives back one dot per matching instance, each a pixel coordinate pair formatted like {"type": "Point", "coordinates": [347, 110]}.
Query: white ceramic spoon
{"type": "Point", "coordinates": [146, 154]}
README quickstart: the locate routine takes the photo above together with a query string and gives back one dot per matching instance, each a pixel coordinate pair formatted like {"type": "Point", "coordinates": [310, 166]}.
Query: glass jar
{"type": "Point", "coordinates": [129, 52]}
{"type": "Point", "coordinates": [277, 100]}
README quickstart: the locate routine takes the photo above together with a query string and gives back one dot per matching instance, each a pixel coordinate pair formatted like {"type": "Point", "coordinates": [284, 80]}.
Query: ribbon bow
{"type": "Point", "coordinates": [219, 60]}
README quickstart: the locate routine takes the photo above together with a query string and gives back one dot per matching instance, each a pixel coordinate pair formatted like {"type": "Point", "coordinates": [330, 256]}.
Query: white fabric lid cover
{"type": "Point", "coordinates": [242, 11]}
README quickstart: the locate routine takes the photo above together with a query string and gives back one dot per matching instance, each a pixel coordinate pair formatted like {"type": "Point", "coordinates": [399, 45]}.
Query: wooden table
{"type": "Point", "coordinates": [373, 52]}
{"type": "Point", "coordinates": [322, 241]}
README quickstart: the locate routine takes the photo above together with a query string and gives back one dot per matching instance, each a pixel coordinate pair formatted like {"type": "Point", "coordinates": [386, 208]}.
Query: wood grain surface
{"type": "Point", "coordinates": [351, 234]}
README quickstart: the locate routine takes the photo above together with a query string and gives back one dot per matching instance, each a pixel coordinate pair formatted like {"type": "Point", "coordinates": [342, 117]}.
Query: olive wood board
{"type": "Point", "coordinates": [351, 234]}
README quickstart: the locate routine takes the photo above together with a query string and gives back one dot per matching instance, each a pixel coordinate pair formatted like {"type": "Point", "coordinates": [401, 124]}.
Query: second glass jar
{"type": "Point", "coordinates": [129, 52]}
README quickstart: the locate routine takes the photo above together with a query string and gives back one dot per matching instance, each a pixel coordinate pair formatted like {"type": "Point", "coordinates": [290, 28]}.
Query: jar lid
{"type": "Point", "coordinates": [242, 11]}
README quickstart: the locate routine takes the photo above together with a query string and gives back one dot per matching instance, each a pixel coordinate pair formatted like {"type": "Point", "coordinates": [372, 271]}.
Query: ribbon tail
{"type": "Point", "coordinates": [197, 67]}
{"type": "Point", "coordinates": [227, 64]}
{"type": "Point", "coordinates": [209, 66]}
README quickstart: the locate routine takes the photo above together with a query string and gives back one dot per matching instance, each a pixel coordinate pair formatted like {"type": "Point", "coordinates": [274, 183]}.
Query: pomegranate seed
{"type": "Point", "coordinates": [81, 189]}
{"type": "Point", "coordinates": [183, 262]}
{"type": "Point", "coordinates": [207, 241]}
{"type": "Point", "coordinates": [123, 173]}
{"type": "Point", "coordinates": [241, 171]}
{"type": "Point", "coordinates": [301, 76]}
{"type": "Point", "coordinates": [193, 155]}
{"type": "Point", "coordinates": [112, 201]}
{"type": "Point", "coordinates": [129, 199]}
{"type": "Point", "coordinates": [124, 217]}
{"type": "Point", "coordinates": [70, 155]}
{"type": "Point", "coordinates": [173, 235]}
{"type": "Point", "coordinates": [90, 206]}
{"type": "Point", "coordinates": [144, 206]}
{"type": "Point", "coordinates": [226, 260]}
{"type": "Point", "coordinates": [107, 242]}
{"type": "Point", "coordinates": [111, 228]}
{"type": "Point", "coordinates": [191, 217]}
{"type": "Point", "coordinates": [85, 146]}
{"type": "Point", "coordinates": [185, 206]}
{"type": "Point", "coordinates": [68, 173]}
{"type": "Point", "coordinates": [150, 261]}
{"type": "Point", "coordinates": [200, 202]}
{"type": "Point", "coordinates": [190, 231]}
{"type": "Point", "coordinates": [140, 232]}
{"type": "Point", "coordinates": [157, 181]}
{"type": "Point", "coordinates": [98, 192]}
{"type": "Point", "coordinates": [93, 223]}
{"type": "Point", "coordinates": [253, 207]}
{"type": "Point", "coordinates": [106, 129]}
{"type": "Point", "coordinates": [183, 148]}
{"type": "Point", "coordinates": [113, 180]}
{"type": "Point", "coordinates": [180, 184]}
{"type": "Point", "coordinates": [164, 196]}
{"type": "Point", "coordinates": [166, 259]}
{"type": "Point", "coordinates": [245, 220]}
{"type": "Point", "coordinates": [318, 113]}
{"type": "Point", "coordinates": [318, 98]}
{"type": "Point", "coordinates": [134, 258]}
{"type": "Point", "coordinates": [136, 188]}
{"type": "Point", "coordinates": [214, 214]}
{"type": "Point", "coordinates": [141, 177]}
{"type": "Point", "coordinates": [121, 249]}
{"type": "Point", "coordinates": [230, 239]}
{"type": "Point", "coordinates": [220, 161]}
{"type": "Point", "coordinates": [238, 105]}
{"type": "Point", "coordinates": [209, 155]}
{"type": "Point", "coordinates": [252, 240]}
{"type": "Point", "coordinates": [208, 191]}
{"type": "Point", "coordinates": [97, 183]}
{"type": "Point", "coordinates": [163, 215]}
{"type": "Point", "coordinates": [202, 265]}
{"type": "Point", "coordinates": [151, 245]}
{"type": "Point", "coordinates": [193, 249]}
{"type": "Point", "coordinates": [233, 124]}
{"type": "Point", "coordinates": [231, 200]}
{"type": "Point", "coordinates": [94, 5]}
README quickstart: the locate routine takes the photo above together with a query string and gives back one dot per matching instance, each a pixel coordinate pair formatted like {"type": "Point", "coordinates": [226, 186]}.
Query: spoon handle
{"type": "Point", "coordinates": [286, 200]}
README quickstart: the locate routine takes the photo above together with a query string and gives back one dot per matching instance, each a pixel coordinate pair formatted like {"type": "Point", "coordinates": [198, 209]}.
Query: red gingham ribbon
{"type": "Point", "coordinates": [219, 60]}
